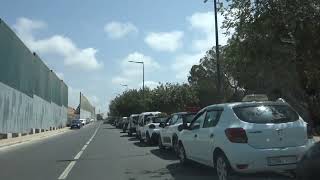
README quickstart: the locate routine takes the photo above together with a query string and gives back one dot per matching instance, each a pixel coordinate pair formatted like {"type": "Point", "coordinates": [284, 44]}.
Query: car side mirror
{"type": "Point", "coordinates": [162, 125]}
{"type": "Point", "coordinates": [182, 127]}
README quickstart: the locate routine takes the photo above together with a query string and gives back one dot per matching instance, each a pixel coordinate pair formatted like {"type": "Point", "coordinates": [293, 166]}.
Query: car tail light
{"type": "Point", "coordinates": [309, 131]}
{"type": "Point", "coordinates": [152, 126]}
{"type": "Point", "coordinates": [236, 135]}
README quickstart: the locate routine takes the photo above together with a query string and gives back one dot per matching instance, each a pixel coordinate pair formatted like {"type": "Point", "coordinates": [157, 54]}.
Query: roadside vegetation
{"type": "Point", "coordinates": [274, 49]}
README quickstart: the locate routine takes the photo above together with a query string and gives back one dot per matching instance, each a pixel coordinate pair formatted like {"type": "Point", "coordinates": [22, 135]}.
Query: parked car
{"type": "Point", "coordinates": [76, 124]}
{"type": "Point", "coordinates": [245, 137]}
{"type": "Point", "coordinates": [142, 122]}
{"type": "Point", "coordinates": [83, 121]}
{"type": "Point", "coordinates": [169, 133]}
{"type": "Point", "coordinates": [309, 166]}
{"type": "Point", "coordinates": [119, 123]}
{"type": "Point", "coordinates": [150, 131]}
{"type": "Point", "coordinates": [132, 124]}
{"type": "Point", "coordinates": [125, 122]}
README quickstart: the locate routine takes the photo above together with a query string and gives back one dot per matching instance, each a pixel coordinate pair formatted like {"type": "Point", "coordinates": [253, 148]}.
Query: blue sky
{"type": "Point", "coordinates": [88, 43]}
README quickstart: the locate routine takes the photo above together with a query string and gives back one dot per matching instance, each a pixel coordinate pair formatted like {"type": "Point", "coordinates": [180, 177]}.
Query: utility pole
{"type": "Point", "coordinates": [217, 49]}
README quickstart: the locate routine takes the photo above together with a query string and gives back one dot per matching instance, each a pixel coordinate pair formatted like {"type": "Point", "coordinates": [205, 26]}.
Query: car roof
{"type": "Point", "coordinates": [134, 115]}
{"type": "Point", "coordinates": [244, 104]}
{"type": "Point", "coordinates": [183, 113]}
{"type": "Point", "coordinates": [146, 113]}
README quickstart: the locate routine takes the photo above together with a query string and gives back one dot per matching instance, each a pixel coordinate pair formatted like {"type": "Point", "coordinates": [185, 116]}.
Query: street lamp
{"type": "Point", "coordinates": [140, 62]}
{"type": "Point", "coordinates": [217, 46]}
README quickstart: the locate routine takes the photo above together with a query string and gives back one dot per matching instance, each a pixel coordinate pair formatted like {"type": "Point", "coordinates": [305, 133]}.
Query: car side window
{"type": "Point", "coordinates": [180, 120]}
{"type": "Point", "coordinates": [173, 120]}
{"type": "Point", "coordinates": [196, 124]}
{"type": "Point", "coordinates": [212, 118]}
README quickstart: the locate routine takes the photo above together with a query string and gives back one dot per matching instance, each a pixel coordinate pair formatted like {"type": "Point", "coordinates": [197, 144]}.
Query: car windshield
{"type": "Point", "coordinates": [262, 114]}
{"type": "Point", "coordinates": [75, 121]}
{"type": "Point", "coordinates": [159, 119]}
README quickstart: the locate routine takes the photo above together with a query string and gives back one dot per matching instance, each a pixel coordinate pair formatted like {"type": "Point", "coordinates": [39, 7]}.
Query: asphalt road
{"type": "Point", "coordinates": [100, 152]}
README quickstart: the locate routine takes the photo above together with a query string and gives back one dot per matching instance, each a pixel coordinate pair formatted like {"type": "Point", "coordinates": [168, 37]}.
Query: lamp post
{"type": "Point", "coordinates": [217, 47]}
{"type": "Point", "coordinates": [141, 62]}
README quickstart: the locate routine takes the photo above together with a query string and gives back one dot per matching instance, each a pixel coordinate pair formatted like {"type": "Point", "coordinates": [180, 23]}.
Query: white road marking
{"type": "Point", "coordinates": [66, 172]}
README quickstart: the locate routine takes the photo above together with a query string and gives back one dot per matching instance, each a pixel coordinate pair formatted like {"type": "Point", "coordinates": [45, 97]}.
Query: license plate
{"type": "Point", "coordinates": [282, 160]}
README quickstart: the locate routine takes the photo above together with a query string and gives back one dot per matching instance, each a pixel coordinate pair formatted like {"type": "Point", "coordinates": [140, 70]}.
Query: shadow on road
{"type": "Point", "coordinates": [140, 144]}
{"type": "Point", "coordinates": [164, 154]}
{"type": "Point", "coordinates": [133, 139]}
{"type": "Point", "coordinates": [201, 172]}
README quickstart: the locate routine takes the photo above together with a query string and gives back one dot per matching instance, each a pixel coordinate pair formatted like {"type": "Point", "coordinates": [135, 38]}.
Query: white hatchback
{"type": "Point", "coordinates": [169, 133]}
{"type": "Point", "coordinates": [245, 137]}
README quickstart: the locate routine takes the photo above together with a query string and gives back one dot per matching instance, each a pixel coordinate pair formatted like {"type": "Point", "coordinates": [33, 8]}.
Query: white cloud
{"type": "Point", "coordinates": [203, 23]}
{"type": "Point", "coordinates": [165, 41]}
{"type": "Point", "coordinates": [117, 30]}
{"type": "Point", "coordinates": [57, 45]}
{"type": "Point", "coordinates": [131, 73]}
{"type": "Point", "coordinates": [183, 64]}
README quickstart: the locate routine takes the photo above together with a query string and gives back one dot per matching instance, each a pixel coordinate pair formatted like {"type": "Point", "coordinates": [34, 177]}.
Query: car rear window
{"type": "Point", "coordinates": [262, 114]}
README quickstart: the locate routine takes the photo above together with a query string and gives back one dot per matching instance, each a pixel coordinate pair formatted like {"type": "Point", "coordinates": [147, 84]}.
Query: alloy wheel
{"type": "Point", "coordinates": [221, 167]}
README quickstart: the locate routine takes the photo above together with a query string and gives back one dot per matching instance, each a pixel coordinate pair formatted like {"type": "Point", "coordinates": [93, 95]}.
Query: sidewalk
{"type": "Point", "coordinates": [32, 137]}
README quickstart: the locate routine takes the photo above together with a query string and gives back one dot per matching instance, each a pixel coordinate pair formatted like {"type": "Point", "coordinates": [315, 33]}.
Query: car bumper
{"type": "Point", "coordinates": [74, 127]}
{"type": "Point", "coordinates": [257, 160]}
{"type": "Point", "coordinates": [155, 134]}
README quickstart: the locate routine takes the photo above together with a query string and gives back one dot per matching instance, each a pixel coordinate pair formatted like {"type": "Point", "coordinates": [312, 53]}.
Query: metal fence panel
{"type": "Point", "coordinates": [31, 95]}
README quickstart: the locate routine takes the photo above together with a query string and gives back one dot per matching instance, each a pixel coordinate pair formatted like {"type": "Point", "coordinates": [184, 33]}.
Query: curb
{"type": "Point", "coordinates": [34, 137]}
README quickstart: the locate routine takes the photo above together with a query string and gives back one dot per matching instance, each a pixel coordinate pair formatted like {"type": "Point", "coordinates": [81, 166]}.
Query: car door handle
{"type": "Point", "coordinates": [211, 135]}
{"type": "Point", "coordinates": [195, 136]}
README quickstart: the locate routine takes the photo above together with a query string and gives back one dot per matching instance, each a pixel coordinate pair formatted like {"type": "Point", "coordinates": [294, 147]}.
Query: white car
{"type": "Point", "coordinates": [83, 121]}
{"type": "Point", "coordinates": [132, 124]}
{"type": "Point", "coordinates": [150, 131]}
{"type": "Point", "coordinates": [169, 132]}
{"type": "Point", "coordinates": [142, 122]}
{"type": "Point", "coordinates": [245, 137]}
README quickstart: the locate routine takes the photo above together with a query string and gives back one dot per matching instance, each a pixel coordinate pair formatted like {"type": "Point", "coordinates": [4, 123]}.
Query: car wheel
{"type": "Point", "coordinates": [161, 147]}
{"type": "Point", "coordinates": [223, 168]}
{"type": "Point", "coordinates": [182, 155]}
{"type": "Point", "coordinates": [175, 144]}
{"type": "Point", "coordinates": [148, 139]}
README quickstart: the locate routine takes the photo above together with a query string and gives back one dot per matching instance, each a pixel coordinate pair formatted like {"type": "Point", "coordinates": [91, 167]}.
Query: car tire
{"type": "Point", "coordinates": [160, 145]}
{"type": "Point", "coordinates": [222, 167]}
{"type": "Point", "coordinates": [182, 156]}
{"type": "Point", "coordinates": [175, 145]}
{"type": "Point", "coordinates": [148, 138]}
